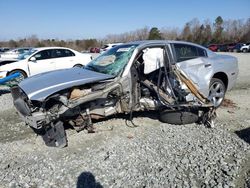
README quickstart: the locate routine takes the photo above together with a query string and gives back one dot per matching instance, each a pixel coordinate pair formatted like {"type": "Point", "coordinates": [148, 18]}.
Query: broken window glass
{"type": "Point", "coordinates": [113, 61]}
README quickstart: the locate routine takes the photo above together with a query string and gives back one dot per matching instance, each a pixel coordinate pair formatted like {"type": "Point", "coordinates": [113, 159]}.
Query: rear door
{"type": "Point", "coordinates": [193, 61]}
{"type": "Point", "coordinates": [43, 62]}
{"type": "Point", "coordinates": [64, 58]}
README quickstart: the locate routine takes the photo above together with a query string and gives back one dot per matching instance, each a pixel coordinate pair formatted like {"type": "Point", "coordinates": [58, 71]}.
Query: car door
{"type": "Point", "coordinates": [64, 58]}
{"type": "Point", "coordinates": [193, 61]}
{"type": "Point", "coordinates": [42, 61]}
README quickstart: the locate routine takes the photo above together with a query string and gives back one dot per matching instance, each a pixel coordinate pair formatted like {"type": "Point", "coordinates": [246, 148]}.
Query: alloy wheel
{"type": "Point", "coordinates": [216, 92]}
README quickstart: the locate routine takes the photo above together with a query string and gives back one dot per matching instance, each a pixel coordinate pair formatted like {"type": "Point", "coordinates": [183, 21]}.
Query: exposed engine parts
{"type": "Point", "coordinates": [170, 78]}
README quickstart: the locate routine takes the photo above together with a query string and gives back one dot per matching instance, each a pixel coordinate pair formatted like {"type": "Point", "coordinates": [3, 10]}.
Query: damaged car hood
{"type": "Point", "coordinates": [40, 86]}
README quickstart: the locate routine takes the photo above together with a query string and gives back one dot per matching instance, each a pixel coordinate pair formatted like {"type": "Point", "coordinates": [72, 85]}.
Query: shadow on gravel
{"type": "Point", "coordinates": [126, 117]}
{"type": "Point", "coordinates": [244, 134]}
{"type": "Point", "coordinates": [87, 180]}
{"type": "Point", "coordinates": [4, 91]}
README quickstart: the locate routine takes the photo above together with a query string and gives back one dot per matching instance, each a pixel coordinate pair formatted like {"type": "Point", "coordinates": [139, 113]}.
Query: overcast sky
{"type": "Point", "coordinates": [76, 19]}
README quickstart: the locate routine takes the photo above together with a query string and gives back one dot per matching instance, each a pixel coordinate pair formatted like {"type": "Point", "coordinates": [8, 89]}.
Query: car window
{"type": "Point", "coordinates": [57, 53]}
{"type": "Point", "coordinates": [201, 52]}
{"type": "Point", "coordinates": [45, 54]}
{"type": "Point", "coordinates": [23, 50]}
{"type": "Point", "coordinates": [68, 53]}
{"type": "Point", "coordinates": [112, 62]}
{"type": "Point", "coordinates": [185, 52]}
{"type": "Point", "coordinates": [26, 54]}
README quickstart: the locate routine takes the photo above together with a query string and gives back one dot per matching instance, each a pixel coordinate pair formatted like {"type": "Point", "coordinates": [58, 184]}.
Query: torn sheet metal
{"type": "Point", "coordinates": [190, 85]}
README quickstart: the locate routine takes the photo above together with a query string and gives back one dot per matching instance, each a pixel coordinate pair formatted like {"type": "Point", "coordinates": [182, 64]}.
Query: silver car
{"type": "Point", "coordinates": [185, 82]}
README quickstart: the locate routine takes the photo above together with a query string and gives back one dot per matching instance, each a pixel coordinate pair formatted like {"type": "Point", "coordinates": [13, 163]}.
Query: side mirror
{"type": "Point", "coordinates": [33, 59]}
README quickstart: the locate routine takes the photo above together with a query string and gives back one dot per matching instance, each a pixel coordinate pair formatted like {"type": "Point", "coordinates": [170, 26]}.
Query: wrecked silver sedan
{"type": "Point", "coordinates": [183, 81]}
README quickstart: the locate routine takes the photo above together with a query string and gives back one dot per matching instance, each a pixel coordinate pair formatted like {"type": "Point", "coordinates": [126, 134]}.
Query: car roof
{"type": "Point", "coordinates": [52, 47]}
{"type": "Point", "coordinates": [160, 42]}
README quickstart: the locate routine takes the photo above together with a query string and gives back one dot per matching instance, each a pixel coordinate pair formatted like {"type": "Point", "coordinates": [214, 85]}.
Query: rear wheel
{"type": "Point", "coordinates": [217, 91]}
{"type": "Point", "coordinates": [244, 50]}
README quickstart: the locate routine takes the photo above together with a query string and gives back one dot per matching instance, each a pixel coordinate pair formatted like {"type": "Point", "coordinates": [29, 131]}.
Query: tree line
{"type": "Point", "coordinates": [204, 33]}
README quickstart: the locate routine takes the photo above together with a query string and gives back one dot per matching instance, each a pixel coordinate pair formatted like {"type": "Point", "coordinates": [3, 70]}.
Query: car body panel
{"type": "Point", "coordinates": [198, 71]}
{"type": "Point", "coordinates": [38, 66]}
{"type": "Point", "coordinates": [39, 87]}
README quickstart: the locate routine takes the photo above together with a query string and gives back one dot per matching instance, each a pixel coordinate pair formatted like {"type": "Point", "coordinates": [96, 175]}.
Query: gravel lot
{"type": "Point", "coordinates": [151, 154]}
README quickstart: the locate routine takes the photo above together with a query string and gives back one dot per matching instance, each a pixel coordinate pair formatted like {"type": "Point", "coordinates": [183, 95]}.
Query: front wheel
{"type": "Point", "coordinates": [20, 78]}
{"type": "Point", "coordinates": [244, 50]}
{"type": "Point", "coordinates": [78, 65]}
{"type": "Point", "coordinates": [217, 91]}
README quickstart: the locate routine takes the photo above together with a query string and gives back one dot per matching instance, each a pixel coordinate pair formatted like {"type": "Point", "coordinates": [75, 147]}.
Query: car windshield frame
{"type": "Point", "coordinates": [113, 61]}
{"type": "Point", "coordinates": [26, 54]}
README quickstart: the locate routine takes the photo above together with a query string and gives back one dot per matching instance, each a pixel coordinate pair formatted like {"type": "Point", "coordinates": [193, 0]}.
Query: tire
{"type": "Point", "coordinates": [180, 117]}
{"type": "Point", "coordinates": [244, 50]}
{"type": "Point", "coordinates": [78, 65]}
{"type": "Point", "coordinates": [217, 91]}
{"type": "Point", "coordinates": [17, 80]}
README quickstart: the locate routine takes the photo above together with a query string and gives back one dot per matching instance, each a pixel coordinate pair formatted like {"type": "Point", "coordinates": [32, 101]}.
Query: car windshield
{"type": "Point", "coordinates": [113, 61]}
{"type": "Point", "coordinates": [26, 54]}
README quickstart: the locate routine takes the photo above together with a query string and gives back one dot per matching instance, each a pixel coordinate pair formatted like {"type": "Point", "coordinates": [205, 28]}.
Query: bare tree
{"type": "Point", "coordinates": [221, 31]}
{"type": "Point", "coordinates": [170, 33]}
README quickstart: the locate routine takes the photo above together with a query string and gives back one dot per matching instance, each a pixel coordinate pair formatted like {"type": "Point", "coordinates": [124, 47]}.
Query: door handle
{"type": "Point", "coordinates": [207, 65]}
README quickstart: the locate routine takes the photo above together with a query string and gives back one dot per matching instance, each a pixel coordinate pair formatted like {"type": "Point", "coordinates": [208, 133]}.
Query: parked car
{"type": "Point", "coordinates": [185, 82]}
{"type": "Point", "coordinates": [237, 47]}
{"type": "Point", "coordinates": [46, 59]}
{"type": "Point", "coordinates": [94, 50]}
{"type": "Point", "coordinates": [109, 46]}
{"type": "Point", "coordinates": [230, 47]}
{"type": "Point", "coordinates": [4, 49]}
{"type": "Point", "coordinates": [222, 48]}
{"type": "Point", "coordinates": [245, 48]}
{"type": "Point", "coordinates": [213, 47]}
{"type": "Point", "coordinates": [13, 54]}
{"type": "Point", "coordinates": [8, 60]}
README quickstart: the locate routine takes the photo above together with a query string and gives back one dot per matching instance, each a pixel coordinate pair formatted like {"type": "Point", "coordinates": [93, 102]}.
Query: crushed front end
{"type": "Point", "coordinates": [54, 134]}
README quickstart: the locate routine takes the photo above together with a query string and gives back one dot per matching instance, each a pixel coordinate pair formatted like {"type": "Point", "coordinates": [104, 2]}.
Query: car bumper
{"type": "Point", "coordinates": [19, 101]}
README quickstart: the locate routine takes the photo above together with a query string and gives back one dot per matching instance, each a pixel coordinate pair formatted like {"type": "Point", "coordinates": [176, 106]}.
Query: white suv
{"type": "Point", "coordinates": [40, 60]}
{"type": "Point", "coordinates": [245, 48]}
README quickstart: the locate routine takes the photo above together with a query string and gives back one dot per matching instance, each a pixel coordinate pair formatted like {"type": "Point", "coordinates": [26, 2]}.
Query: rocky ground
{"type": "Point", "coordinates": [147, 153]}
